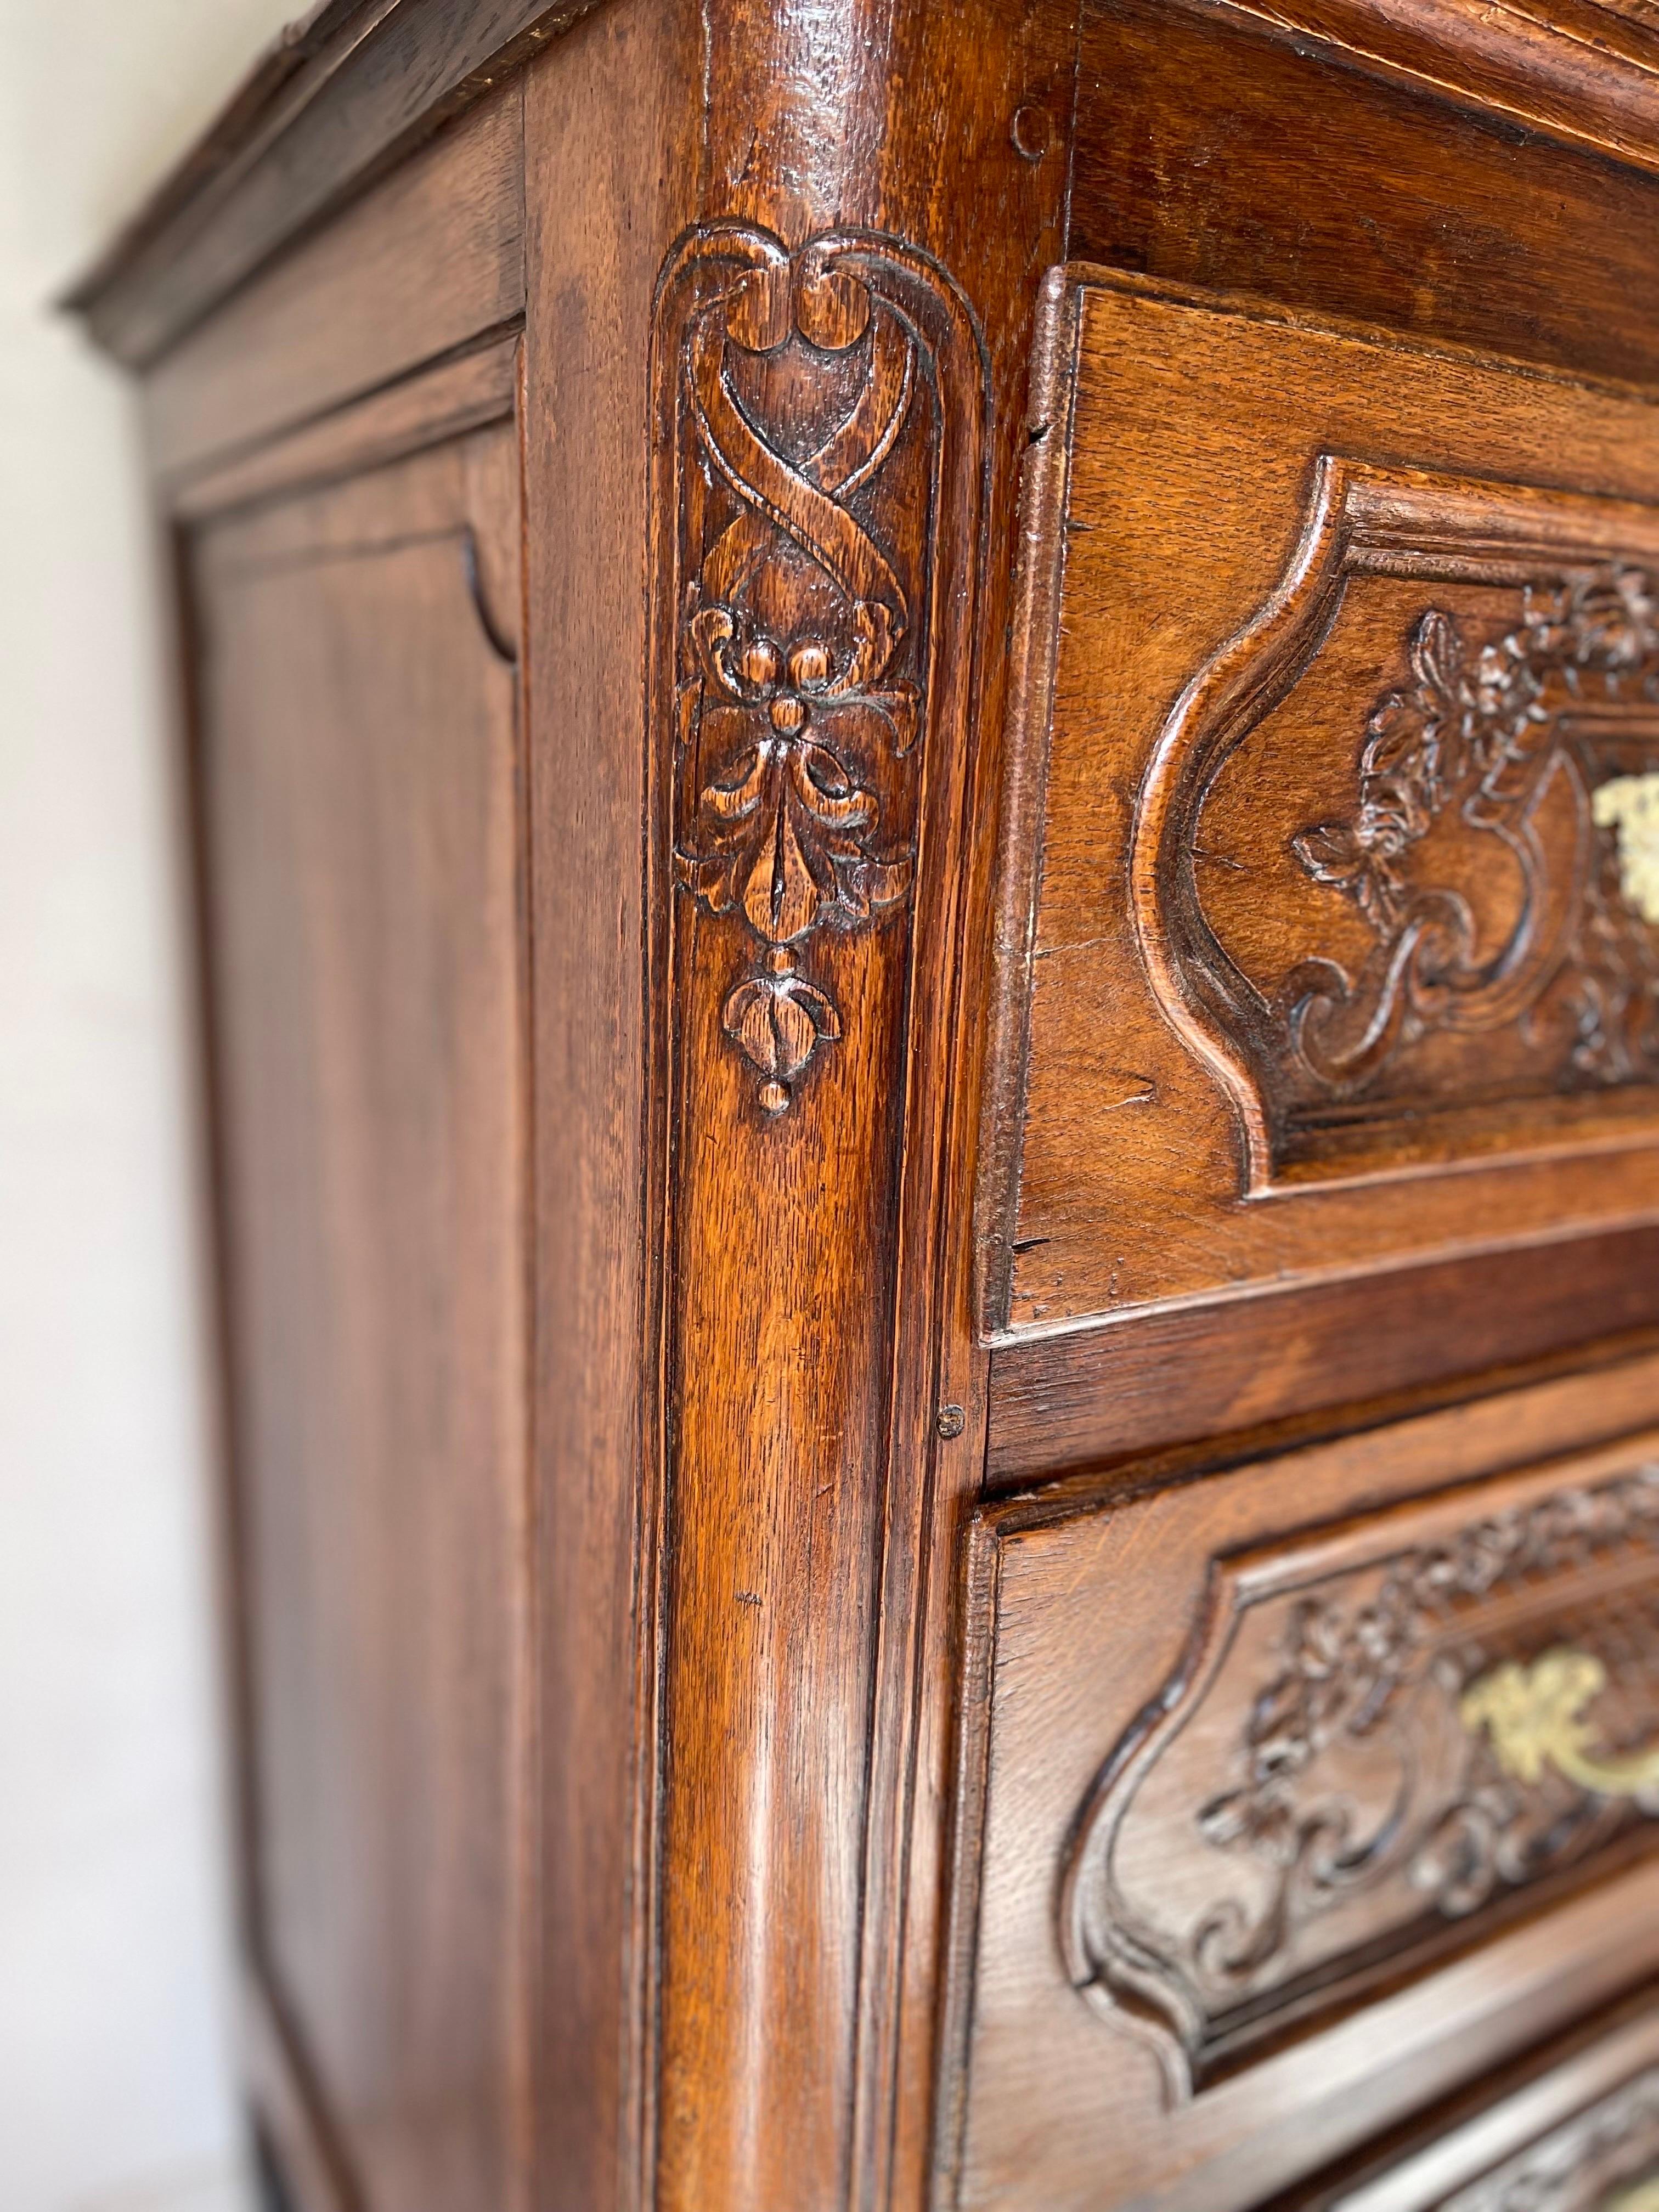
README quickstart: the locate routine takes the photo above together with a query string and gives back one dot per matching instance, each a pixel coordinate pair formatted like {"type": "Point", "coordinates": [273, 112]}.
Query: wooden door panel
{"type": "Point", "coordinates": [1344, 919]}
{"type": "Point", "coordinates": [360, 800]}
{"type": "Point", "coordinates": [1298, 1794]}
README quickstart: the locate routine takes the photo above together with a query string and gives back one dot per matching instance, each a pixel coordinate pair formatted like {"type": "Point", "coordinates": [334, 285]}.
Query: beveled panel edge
{"type": "Point", "coordinates": [1567, 2086]}
{"type": "Point", "coordinates": [338, 101]}
{"type": "Point", "coordinates": [286, 2103]}
{"type": "Point", "coordinates": [428, 407]}
{"type": "Point", "coordinates": [977, 1593]}
{"type": "Point", "coordinates": [1039, 588]}
{"type": "Point", "coordinates": [424, 267]}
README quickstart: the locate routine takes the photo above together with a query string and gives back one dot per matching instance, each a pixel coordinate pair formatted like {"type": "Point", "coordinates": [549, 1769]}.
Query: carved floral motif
{"type": "Point", "coordinates": [1500, 951]}
{"type": "Point", "coordinates": [801, 697]}
{"type": "Point", "coordinates": [1484, 729]}
{"type": "Point", "coordinates": [1345, 1671]}
{"type": "Point", "coordinates": [1367, 1804]}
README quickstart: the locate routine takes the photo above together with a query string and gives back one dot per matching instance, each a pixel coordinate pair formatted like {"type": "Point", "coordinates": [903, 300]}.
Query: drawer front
{"type": "Point", "coordinates": [1579, 2134]}
{"type": "Point", "coordinates": [1294, 1796]}
{"type": "Point", "coordinates": [1336, 844]}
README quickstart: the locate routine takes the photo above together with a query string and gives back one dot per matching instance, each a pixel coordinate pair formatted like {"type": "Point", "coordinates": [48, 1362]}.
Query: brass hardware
{"type": "Point", "coordinates": [1535, 1717]}
{"type": "Point", "coordinates": [1629, 803]}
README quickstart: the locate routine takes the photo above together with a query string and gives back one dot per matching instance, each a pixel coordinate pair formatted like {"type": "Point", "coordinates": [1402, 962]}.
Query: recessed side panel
{"type": "Point", "coordinates": [359, 797]}
{"type": "Point", "coordinates": [1296, 1798]}
{"type": "Point", "coordinates": [1345, 927]}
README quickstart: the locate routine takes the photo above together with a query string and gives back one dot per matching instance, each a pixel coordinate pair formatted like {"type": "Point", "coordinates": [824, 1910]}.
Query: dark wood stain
{"type": "Point", "coordinates": [782, 1248]}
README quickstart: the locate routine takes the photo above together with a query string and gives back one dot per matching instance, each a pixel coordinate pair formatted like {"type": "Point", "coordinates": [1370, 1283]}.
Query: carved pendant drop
{"type": "Point", "coordinates": [796, 712]}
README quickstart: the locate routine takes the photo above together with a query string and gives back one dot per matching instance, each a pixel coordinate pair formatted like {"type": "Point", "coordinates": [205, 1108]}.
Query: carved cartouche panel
{"type": "Point", "coordinates": [1482, 938]}
{"type": "Point", "coordinates": [804, 415]}
{"type": "Point", "coordinates": [1385, 1740]}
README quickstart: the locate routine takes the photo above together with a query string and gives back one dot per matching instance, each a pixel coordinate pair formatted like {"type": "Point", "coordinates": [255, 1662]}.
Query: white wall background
{"type": "Point", "coordinates": [115, 2094]}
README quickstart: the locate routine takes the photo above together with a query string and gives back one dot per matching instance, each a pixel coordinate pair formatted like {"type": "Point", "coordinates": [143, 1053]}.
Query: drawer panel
{"type": "Point", "coordinates": [1293, 1797]}
{"type": "Point", "coordinates": [1580, 2135]}
{"type": "Point", "coordinates": [1336, 846]}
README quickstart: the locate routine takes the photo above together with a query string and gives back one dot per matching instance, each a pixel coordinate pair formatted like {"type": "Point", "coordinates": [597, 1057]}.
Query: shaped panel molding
{"type": "Point", "coordinates": [1283, 1793]}
{"type": "Point", "coordinates": [1605, 2159]}
{"type": "Point", "coordinates": [1384, 1742]}
{"type": "Point", "coordinates": [1492, 844]}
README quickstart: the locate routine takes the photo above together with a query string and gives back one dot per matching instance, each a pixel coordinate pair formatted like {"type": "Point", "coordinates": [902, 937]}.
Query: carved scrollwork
{"type": "Point", "coordinates": [1370, 1809]}
{"type": "Point", "coordinates": [1482, 729]}
{"type": "Point", "coordinates": [808, 425]}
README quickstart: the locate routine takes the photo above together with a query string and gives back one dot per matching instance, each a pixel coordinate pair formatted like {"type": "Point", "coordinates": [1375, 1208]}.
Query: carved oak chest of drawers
{"type": "Point", "coordinates": [922, 748]}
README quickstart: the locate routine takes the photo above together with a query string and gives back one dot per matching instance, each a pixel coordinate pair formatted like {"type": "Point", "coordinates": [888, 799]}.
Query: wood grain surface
{"type": "Point", "coordinates": [1087, 1396]}
{"type": "Point", "coordinates": [428, 262]}
{"type": "Point", "coordinates": [600, 221]}
{"type": "Point", "coordinates": [359, 742]}
{"type": "Point", "coordinates": [897, 708]}
{"type": "Point", "coordinates": [1191, 1122]}
{"type": "Point", "coordinates": [377, 79]}
{"type": "Point", "coordinates": [1113, 1643]}
{"type": "Point", "coordinates": [1210, 151]}
{"type": "Point", "coordinates": [475, 388]}
{"type": "Point", "coordinates": [1574, 2132]}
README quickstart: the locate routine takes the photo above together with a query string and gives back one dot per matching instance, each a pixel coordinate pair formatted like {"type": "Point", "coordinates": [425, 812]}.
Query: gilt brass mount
{"type": "Point", "coordinates": [1629, 804]}
{"type": "Point", "coordinates": [1537, 1719]}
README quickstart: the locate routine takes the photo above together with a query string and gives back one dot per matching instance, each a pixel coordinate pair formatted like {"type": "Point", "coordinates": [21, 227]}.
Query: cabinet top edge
{"type": "Point", "coordinates": [1581, 71]}
{"type": "Point", "coordinates": [353, 86]}
{"type": "Point", "coordinates": [332, 104]}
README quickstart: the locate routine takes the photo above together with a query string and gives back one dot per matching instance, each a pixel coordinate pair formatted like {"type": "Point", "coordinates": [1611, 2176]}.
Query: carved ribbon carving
{"type": "Point", "coordinates": [809, 419]}
{"type": "Point", "coordinates": [1377, 1798]}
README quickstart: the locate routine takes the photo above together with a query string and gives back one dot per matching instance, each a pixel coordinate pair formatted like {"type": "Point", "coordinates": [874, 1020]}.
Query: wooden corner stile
{"type": "Point", "coordinates": [832, 351]}
{"type": "Point", "coordinates": [819, 434]}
